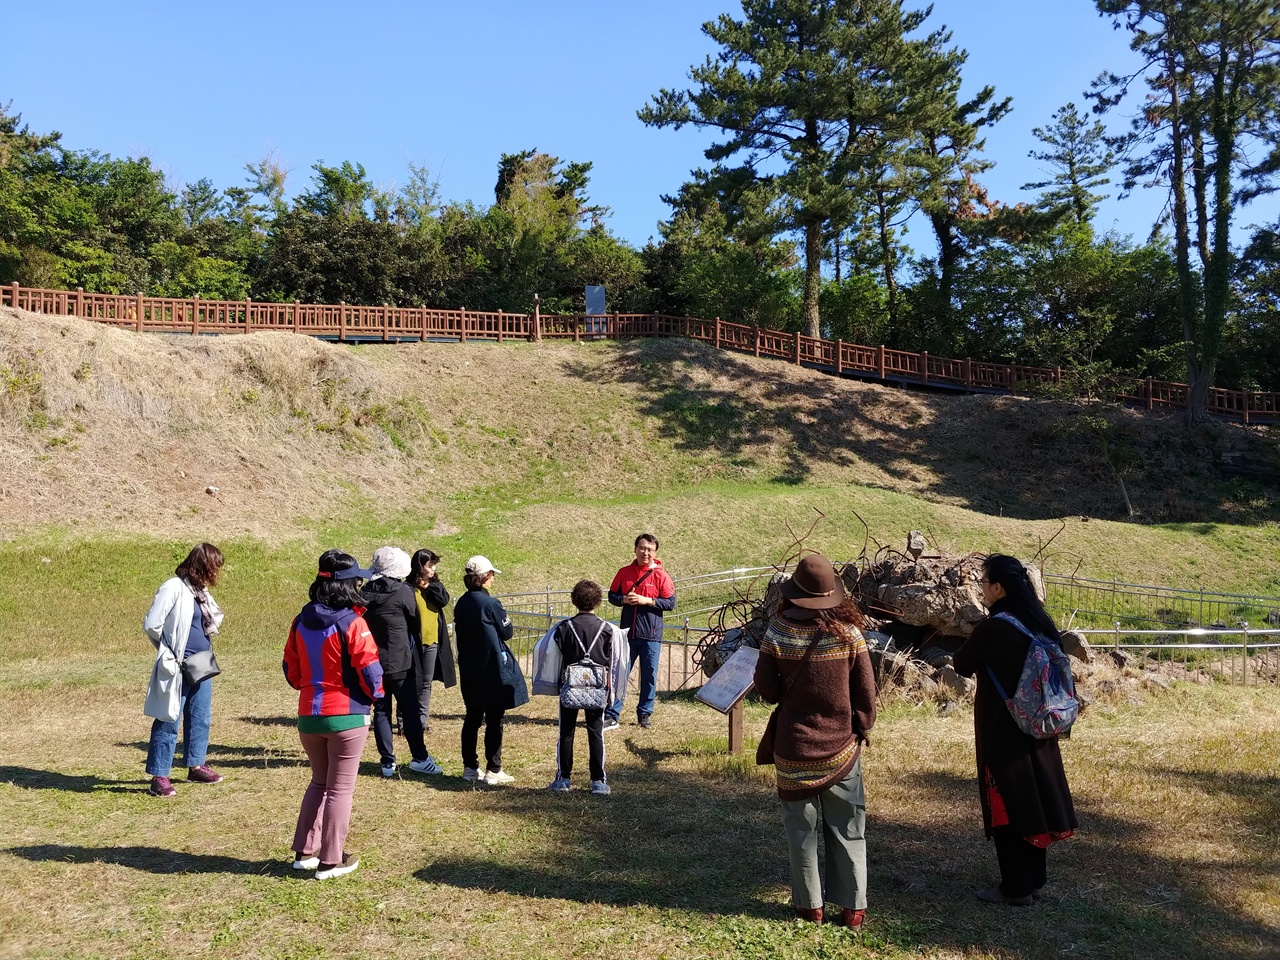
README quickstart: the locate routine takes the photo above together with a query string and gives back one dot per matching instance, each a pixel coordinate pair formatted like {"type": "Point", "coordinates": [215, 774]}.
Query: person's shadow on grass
{"type": "Point", "coordinates": [149, 859]}
{"type": "Point", "coordinates": [31, 779]}
{"type": "Point", "coordinates": [225, 755]}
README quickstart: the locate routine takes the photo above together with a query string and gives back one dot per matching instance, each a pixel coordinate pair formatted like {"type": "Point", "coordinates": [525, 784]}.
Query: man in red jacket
{"type": "Point", "coordinates": [644, 591]}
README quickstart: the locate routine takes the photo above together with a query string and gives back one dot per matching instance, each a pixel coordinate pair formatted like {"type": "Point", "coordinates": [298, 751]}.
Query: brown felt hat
{"type": "Point", "coordinates": [814, 585]}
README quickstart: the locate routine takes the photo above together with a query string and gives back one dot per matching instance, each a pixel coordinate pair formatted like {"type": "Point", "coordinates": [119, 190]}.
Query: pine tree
{"type": "Point", "coordinates": [1080, 159]}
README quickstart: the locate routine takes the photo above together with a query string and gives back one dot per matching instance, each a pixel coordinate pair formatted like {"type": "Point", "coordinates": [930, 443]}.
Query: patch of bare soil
{"type": "Point", "coordinates": [268, 433]}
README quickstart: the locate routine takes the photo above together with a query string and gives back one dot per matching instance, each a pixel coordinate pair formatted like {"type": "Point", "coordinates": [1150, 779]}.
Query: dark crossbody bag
{"type": "Point", "coordinates": [201, 665]}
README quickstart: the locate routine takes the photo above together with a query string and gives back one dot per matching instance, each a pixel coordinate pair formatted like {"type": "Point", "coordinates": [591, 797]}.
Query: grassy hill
{"type": "Point", "coordinates": [552, 456]}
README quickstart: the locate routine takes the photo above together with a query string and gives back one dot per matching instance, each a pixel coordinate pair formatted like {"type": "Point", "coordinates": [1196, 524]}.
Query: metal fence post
{"type": "Point", "coordinates": [1116, 643]}
{"type": "Point", "coordinates": [548, 606]}
{"type": "Point", "coordinates": [684, 666]}
{"type": "Point", "coordinates": [1244, 653]}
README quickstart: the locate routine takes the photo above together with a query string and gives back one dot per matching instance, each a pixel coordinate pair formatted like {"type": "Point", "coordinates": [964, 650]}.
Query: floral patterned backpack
{"type": "Point", "coordinates": [1044, 703]}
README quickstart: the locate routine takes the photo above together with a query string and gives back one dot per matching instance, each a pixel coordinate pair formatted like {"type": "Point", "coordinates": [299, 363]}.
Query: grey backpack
{"type": "Point", "coordinates": [584, 685]}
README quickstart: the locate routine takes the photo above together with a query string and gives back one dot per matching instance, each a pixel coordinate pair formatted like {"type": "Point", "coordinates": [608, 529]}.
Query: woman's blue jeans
{"type": "Point", "coordinates": [196, 714]}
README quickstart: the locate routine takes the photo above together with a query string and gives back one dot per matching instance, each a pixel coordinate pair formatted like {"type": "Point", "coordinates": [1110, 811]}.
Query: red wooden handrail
{"type": "Point", "coordinates": [343, 322]}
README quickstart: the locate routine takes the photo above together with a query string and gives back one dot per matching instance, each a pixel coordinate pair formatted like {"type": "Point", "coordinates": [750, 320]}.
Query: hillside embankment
{"type": "Point", "coordinates": [266, 434]}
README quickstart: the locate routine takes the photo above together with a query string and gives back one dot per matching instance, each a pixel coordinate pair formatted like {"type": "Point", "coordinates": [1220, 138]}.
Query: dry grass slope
{"type": "Point", "coordinates": [108, 430]}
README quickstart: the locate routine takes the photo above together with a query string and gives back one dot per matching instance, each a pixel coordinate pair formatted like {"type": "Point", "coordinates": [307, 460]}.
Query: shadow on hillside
{"type": "Point", "coordinates": [999, 455]}
{"type": "Point", "coordinates": [31, 779]}
{"type": "Point", "coordinates": [149, 859]}
{"type": "Point", "coordinates": [714, 845]}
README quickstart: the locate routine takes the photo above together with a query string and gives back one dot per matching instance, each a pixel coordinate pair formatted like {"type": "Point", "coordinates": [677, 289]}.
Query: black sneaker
{"type": "Point", "coordinates": [328, 871]}
{"type": "Point", "coordinates": [645, 720]}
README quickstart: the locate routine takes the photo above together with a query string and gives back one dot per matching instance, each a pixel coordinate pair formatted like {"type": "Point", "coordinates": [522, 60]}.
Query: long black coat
{"type": "Point", "coordinates": [437, 598]}
{"type": "Point", "coordinates": [1028, 772]}
{"type": "Point", "coordinates": [480, 626]}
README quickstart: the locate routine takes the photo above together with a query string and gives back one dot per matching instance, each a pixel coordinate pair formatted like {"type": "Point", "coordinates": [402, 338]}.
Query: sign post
{"type": "Point", "coordinates": [726, 689]}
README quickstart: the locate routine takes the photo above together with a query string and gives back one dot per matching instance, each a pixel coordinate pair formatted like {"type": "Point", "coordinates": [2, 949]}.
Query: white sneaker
{"type": "Point", "coordinates": [348, 865]}
{"type": "Point", "coordinates": [470, 773]}
{"type": "Point", "coordinates": [388, 770]}
{"type": "Point", "coordinates": [427, 766]}
{"type": "Point", "coordinates": [306, 863]}
{"type": "Point", "coordinates": [496, 778]}
{"type": "Point", "coordinates": [609, 725]}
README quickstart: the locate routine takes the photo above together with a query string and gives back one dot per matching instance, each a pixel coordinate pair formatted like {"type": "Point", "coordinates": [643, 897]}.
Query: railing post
{"type": "Point", "coordinates": [924, 366]}
{"type": "Point", "coordinates": [1151, 400]}
{"type": "Point", "coordinates": [297, 313]}
{"type": "Point", "coordinates": [839, 356]}
{"type": "Point", "coordinates": [138, 308]}
{"type": "Point", "coordinates": [14, 294]}
{"type": "Point", "coordinates": [577, 336]}
{"type": "Point", "coordinates": [462, 324]}
{"type": "Point", "coordinates": [549, 615]}
{"type": "Point", "coordinates": [1115, 644]}
{"type": "Point", "coordinates": [537, 318]}
{"type": "Point", "coordinates": [880, 361]}
{"type": "Point", "coordinates": [968, 372]}
{"type": "Point", "coordinates": [717, 333]}
{"type": "Point", "coordinates": [79, 301]}
{"type": "Point", "coordinates": [342, 321]}
{"type": "Point", "coordinates": [499, 324]}
{"type": "Point", "coordinates": [1244, 653]}
{"type": "Point", "coordinates": [797, 348]}
{"type": "Point", "coordinates": [1244, 405]}
{"type": "Point", "coordinates": [757, 339]}
{"type": "Point", "coordinates": [195, 317]}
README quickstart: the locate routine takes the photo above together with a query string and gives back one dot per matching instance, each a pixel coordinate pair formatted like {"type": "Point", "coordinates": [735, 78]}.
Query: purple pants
{"type": "Point", "coordinates": [325, 816]}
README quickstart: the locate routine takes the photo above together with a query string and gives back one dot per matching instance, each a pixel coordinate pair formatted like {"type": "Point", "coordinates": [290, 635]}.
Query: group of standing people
{"type": "Point", "coordinates": [371, 639]}
{"type": "Point", "coordinates": [814, 664]}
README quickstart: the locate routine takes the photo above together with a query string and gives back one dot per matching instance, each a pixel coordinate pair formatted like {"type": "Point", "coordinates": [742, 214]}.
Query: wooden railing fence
{"type": "Point", "coordinates": [348, 323]}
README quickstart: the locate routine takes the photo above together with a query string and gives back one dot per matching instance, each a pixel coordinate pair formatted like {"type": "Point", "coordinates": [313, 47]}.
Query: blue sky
{"type": "Point", "coordinates": [205, 87]}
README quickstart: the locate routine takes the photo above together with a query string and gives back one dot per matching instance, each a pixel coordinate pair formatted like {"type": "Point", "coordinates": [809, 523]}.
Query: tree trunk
{"type": "Point", "coordinates": [948, 255]}
{"type": "Point", "coordinates": [1217, 271]}
{"type": "Point", "coordinates": [812, 276]}
{"type": "Point", "coordinates": [887, 261]}
{"type": "Point", "coordinates": [1198, 395]}
{"type": "Point", "coordinates": [1200, 379]}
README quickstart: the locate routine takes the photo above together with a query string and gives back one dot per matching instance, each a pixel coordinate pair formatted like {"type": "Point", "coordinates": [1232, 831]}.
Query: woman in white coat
{"type": "Point", "coordinates": [181, 624]}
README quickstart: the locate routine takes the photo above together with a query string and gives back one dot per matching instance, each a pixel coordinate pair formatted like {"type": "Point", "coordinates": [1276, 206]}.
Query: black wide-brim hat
{"type": "Point", "coordinates": [814, 585]}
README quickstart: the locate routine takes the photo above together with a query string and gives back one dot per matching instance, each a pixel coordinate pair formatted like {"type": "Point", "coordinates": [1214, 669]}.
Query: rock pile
{"type": "Point", "coordinates": [919, 607]}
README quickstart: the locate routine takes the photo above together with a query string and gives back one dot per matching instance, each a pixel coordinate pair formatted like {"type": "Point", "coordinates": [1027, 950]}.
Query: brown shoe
{"type": "Point", "coordinates": [852, 918]}
{"type": "Point", "coordinates": [812, 914]}
{"type": "Point", "coordinates": [203, 774]}
{"type": "Point", "coordinates": [994, 895]}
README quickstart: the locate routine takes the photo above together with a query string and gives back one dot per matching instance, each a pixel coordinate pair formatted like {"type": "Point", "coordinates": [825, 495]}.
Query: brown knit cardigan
{"type": "Point", "coordinates": [826, 704]}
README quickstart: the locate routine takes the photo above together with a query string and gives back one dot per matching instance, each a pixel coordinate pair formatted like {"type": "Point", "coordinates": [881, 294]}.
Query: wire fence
{"type": "Point", "coordinates": [1102, 603]}
{"type": "Point", "coordinates": [1224, 637]}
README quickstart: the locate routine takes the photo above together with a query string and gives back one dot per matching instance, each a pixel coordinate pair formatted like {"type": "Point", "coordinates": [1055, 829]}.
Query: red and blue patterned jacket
{"type": "Point", "coordinates": [332, 661]}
